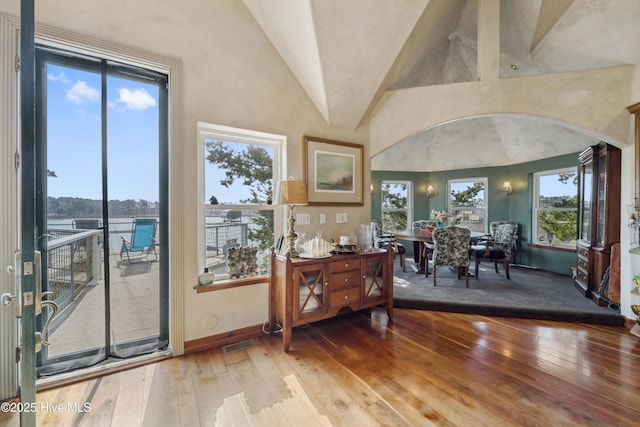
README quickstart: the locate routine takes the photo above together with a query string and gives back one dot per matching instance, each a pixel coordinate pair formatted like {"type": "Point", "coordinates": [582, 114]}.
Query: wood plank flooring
{"type": "Point", "coordinates": [427, 368]}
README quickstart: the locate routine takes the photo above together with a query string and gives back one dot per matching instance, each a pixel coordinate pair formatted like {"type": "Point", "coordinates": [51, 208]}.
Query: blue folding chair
{"type": "Point", "coordinates": [143, 240]}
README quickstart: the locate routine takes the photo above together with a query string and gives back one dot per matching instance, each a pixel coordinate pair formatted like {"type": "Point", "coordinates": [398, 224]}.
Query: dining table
{"type": "Point", "coordinates": [425, 239]}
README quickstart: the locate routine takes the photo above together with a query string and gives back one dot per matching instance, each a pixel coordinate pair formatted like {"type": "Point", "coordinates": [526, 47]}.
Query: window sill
{"type": "Point", "coordinates": [552, 248]}
{"type": "Point", "coordinates": [228, 284]}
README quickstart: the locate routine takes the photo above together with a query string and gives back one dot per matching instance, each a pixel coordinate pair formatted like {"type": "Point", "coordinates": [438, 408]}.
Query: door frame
{"type": "Point", "coordinates": [103, 69]}
{"type": "Point", "coordinates": [177, 212]}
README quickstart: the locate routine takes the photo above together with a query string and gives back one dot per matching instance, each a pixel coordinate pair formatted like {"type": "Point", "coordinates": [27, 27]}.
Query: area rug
{"type": "Point", "coordinates": [530, 293]}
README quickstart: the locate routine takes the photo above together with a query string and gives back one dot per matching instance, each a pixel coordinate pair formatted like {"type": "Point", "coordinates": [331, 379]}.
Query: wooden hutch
{"type": "Point", "coordinates": [599, 217]}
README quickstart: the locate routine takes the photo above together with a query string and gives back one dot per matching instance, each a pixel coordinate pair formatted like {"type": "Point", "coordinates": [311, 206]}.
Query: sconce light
{"type": "Point", "coordinates": [430, 191]}
{"type": "Point", "coordinates": [507, 188]}
{"type": "Point", "coordinates": [371, 188]}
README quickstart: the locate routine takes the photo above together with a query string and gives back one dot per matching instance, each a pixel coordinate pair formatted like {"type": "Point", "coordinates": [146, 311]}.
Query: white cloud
{"type": "Point", "coordinates": [60, 77]}
{"type": "Point", "coordinates": [81, 92]}
{"type": "Point", "coordinates": [137, 99]}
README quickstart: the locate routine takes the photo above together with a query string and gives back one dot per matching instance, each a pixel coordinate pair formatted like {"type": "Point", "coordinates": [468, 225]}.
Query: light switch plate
{"type": "Point", "coordinates": [342, 218]}
{"type": "Point", "coordinates": [323, 218]}
{"type": "Point", "coordinates": [303, 219]}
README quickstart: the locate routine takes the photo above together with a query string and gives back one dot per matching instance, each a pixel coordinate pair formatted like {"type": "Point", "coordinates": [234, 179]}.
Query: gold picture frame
{"type": "Point", "coordinates": [333, 172]}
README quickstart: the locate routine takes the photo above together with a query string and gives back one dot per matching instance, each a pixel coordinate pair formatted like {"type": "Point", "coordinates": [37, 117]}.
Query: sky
{"type": "Point", "coordinates": [74, 136]}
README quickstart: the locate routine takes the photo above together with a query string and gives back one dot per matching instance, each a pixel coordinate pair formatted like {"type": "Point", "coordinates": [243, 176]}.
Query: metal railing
{"type": "Point", "coordinates": [73, 262]}
{"type": "Point", "coordinates": [221, 237]}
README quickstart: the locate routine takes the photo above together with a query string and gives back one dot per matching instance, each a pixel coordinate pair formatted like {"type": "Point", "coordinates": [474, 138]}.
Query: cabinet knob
{"type": "Point", "coordinates": [346, 265]}
{"type": "Point", "coordinates": [364, 276]}
{"type": "Point", "coordinates": [346, 280]}
{"type": "Point", "coordinates": [326, 283]}
{"type": "Point", "coordinates": [346, 297]}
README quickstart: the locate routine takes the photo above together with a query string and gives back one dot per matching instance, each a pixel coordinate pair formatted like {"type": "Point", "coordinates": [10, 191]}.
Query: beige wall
{"type": "Point", "coordinates": [629, 263]}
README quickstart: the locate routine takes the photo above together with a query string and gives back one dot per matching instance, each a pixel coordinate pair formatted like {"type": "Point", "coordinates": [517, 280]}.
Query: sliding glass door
{"type": "Point", "coordinates": [102, 171]}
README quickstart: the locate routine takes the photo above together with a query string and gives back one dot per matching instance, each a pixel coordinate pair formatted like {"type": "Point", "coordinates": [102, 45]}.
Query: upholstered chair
{"type": "Point", "coordinates": [452, 249]}
{"type": "Point", "coordinates": [423, 224]}
{"type": "Point", "coordinates": [499, 247]}
{"type": "Point", "coordinates": [493, 226]}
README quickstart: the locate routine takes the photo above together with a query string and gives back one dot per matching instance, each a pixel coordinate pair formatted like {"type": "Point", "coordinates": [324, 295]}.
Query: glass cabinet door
{"type": "Point", "coordinates": [585, 200]}
{"type": "Point", "coordinates": [373, 276]}
{"type": "Point", "coordinates": [309, 291]}
{"type": "Point", "coordinates": [602, 200]}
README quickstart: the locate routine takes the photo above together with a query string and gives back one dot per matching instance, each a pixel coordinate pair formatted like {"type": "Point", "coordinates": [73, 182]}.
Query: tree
{"type": "Point", "coordinates": [254, 166]}
{"type": "Point", "coordinates": [562, 224]}
{"type": "Point", "coordinates": [394, 207]}
{"type": "Point", "coordinates": [467, 198]}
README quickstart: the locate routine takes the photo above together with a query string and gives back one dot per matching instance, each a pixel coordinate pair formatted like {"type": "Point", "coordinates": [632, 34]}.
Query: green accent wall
{"type": "Point", "coordinates": [516, 208]}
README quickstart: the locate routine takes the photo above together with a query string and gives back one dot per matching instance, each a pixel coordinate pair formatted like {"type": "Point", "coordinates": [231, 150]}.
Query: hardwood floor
{"type": "Point", "coordinates": [427, 368]}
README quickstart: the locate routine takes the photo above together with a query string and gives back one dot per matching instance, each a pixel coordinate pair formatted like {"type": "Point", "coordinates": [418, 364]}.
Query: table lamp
{"type": "Point", "coordinates": [292, 193]}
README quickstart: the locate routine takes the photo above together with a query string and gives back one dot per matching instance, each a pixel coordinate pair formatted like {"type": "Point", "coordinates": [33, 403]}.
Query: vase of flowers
{"type": "Point", "coordinates": [440, 217]}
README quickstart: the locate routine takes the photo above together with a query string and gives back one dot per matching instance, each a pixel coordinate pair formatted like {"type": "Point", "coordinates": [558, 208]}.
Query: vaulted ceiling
{"type": "Point", "coordinates": [346, 54]}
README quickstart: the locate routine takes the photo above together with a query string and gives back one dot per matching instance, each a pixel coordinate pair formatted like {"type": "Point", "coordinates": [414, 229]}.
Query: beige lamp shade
{"type": "Point", "coordinates": [293, 193]}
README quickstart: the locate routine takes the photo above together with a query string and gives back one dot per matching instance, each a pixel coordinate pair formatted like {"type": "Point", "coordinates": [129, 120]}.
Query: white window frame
{"type": "Point", "coordinates": [485, 182]}
{"type": "Point", "coordinates": [409, 208]}
{"type": "Point", "coordinates": [245, 136]}
{"type": "Point", "coordinates": [536, 203]}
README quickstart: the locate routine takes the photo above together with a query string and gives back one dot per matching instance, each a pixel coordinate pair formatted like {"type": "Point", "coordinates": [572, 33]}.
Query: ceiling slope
{"type": "Point", "coordinates": [340, 51]}
{"type": "Point", "coordinates": [346, 54]}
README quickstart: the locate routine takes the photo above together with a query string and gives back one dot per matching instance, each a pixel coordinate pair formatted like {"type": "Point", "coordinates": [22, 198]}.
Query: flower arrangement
{"type": "Point", "coordinates": [439, 216]}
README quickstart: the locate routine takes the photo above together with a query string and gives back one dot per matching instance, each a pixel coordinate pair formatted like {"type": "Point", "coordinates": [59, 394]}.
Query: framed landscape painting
{"type": "Point", "coordinates": [333, 172]}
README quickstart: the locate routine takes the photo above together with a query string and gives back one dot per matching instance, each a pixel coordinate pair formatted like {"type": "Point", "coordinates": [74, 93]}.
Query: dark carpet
{"type": "Point", "coordinates": [531, 294]}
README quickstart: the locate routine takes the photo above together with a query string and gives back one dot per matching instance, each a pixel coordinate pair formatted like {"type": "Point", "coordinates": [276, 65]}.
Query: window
{"type": "Point", "coordinates": [467, 203]}
{"type": "Point", "coordinates": [239, 169]}
{"type": "Point", "coordinates": [555, 207]}
{"type": "Point", "coordinates": [396, 205]}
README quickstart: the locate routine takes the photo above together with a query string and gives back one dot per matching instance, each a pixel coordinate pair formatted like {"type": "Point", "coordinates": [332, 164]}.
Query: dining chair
{"type": "Point", "coordinates": [451, 247]}
{"type": "Point", "coordinates": [497, 247]}
{"type": "Point", "coordinates": [425, 247]}
{"type": "Point", "coordinates": [383, 240]}
{"type": "Point", "coordinates": [493, 226]}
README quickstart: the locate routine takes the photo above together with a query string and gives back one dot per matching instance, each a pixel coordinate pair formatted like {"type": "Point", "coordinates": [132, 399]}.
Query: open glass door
{"type": "Point", "coordinates": [101, 171]}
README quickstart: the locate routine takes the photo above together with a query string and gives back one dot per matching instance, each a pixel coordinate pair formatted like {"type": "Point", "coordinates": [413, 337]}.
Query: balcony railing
{"type": "Point", "coordinates": [221, 237]}
{"type": "Point", "coordinates": [73, 260]}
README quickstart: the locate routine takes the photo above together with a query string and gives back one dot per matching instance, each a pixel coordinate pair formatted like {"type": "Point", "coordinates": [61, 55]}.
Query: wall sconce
{"type": "Point", "coordinates": [430, 191]}
{"type": "Point", "coordinates": [371, 188]}
{"type": "Point", "coordinates": [507, 188]}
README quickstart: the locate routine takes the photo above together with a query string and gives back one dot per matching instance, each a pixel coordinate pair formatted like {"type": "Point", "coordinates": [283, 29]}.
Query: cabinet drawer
{"type": "Point", "coordinates": [582, 276]}
{"type": "Point", "coordinates": [344, 265]}
{"type": "Point", "coordinates": [344, 280]}
{"type": "Point", "coordinates": [582, 263]}
{"type": "Point", "coordinates": [583, 252]}
{"type": "Point", "coordinates": [345, 297]}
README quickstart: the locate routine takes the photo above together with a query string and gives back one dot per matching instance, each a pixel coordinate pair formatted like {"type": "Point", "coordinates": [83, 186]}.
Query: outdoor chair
{"type": "Point", "coordinates": [498, 247]}
{"type": "Point", "coordinates": [452, 249]}
{"type": "Point", "coordinates": [142, 241]}
{"type": "Point", "coordinates": [86, 224]}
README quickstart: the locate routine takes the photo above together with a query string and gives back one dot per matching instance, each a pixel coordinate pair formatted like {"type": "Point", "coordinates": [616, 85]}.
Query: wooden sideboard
{"type": "Point", "coordinates": [303, 290]}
